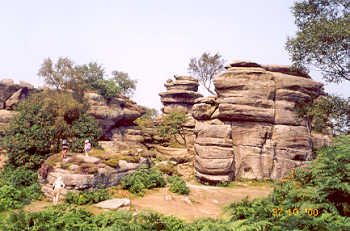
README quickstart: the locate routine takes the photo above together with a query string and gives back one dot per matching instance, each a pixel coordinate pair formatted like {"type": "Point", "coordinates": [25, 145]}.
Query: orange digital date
{"type": "Point", "coordinates": [295, 212]}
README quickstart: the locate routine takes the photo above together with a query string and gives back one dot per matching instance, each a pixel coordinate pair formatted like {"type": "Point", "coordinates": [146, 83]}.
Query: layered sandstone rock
{"type": "Point", "coordinates": [116, 117]}
{"type": "Point", "coordinates": [75, 179]}
{"type": "Point", "coordinates": [10, 95]}
{"type": "Point", "coordinates": [180, 94]}
{"type": "Point", "coordinates": [251, 129]}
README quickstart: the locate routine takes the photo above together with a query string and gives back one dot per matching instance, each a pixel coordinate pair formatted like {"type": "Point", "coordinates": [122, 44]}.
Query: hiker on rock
{"type": "Point", "coordinates": [64, 148]}
{"type": "Point", "coordinates": [57, 188]}
{"type": "Point", "coordinates": [87, 147]}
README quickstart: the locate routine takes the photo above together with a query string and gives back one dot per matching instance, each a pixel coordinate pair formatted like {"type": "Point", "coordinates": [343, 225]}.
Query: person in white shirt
{"type": "Point", "coordinates": [57, 188]}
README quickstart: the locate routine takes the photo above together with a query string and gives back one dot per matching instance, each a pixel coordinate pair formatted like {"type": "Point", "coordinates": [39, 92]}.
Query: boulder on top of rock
{"type": "Point", "coordinates": [242, 63]}
{"type": "Point", "coordinates": [286, 70]}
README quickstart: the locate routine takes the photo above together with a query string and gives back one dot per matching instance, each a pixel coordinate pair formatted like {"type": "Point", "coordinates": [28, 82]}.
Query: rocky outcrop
{"type": "Point", "coordinates": [116, 117]}
{"type": "Point", "coordinates": [180, 95]}
{"type": "Point", "coordinates": [11, 93]}
{"type": "Point", "coordinates": [251, 129]}
{"type": "Point", "coordinates": [80, 172]}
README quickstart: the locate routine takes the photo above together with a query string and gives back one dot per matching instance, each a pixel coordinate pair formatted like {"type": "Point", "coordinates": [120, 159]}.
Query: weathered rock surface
{"type": "Point", "coordinates": [114, 204]}
{"type": "Point", "coordinates": [251, 130]}
{"type": "Point", "coordinates": [180, 95]}
{"type": "Point", "coordinates": [116, 117]}
{"type": "Point", "coordinates": [76, 180]}
{"type": "Point", "coordinates": [13, 93]}
{"type": "Point", "coordinates": [5, 117]}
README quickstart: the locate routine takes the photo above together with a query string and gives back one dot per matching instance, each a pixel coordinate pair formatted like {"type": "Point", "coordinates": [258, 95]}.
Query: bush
{"type": "Point", "coordinates": [143, 179]}
{"type": "Point", "coordinates": [172, 126]}
{"type": "Point", "coordinates": [39, 127]}
{"type": "Point", "coordinates": [178, 185]}
{"type": "Point", "coordinates": [85, 127]}
{"type": "Point", "coordinates": [87, 197]}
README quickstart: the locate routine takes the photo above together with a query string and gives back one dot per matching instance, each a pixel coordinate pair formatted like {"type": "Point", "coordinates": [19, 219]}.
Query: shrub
{"type": "Point", "coordinates": [178, 185]}
{"type": "Point", "coordinates": [87, 197]}
{"type": "Point", "coordinates": [172, 126]}
{"type": "Point", "coordinates": [143, 179]}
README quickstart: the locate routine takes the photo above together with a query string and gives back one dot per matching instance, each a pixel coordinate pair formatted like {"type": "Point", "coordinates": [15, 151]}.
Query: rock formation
{"type": "Point", "coordinates": [116, 118]}
{"type": "Point", "coordinates": [251, 129]}
{"type": "Point", "coordinates": [180, 94]}
{"type": "Point", "coordinates": [80, 172]}
{"type": "Point", "coordinates": [10, 94]}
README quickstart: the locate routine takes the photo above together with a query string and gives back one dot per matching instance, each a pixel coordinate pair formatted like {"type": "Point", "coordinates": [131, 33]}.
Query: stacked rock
{"type": "Point", "coordinates": [180, 95]}
{"type": "Point", "coordinates": [251, 130]}
{"type": "Point", "coordinates": [10, 94]}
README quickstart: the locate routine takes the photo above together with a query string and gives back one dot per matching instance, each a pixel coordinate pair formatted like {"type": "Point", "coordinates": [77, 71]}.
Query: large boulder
{"type": "Point", "coordinates": [251, 129]}
{"type": "Point", "coordinates": [113, 115]}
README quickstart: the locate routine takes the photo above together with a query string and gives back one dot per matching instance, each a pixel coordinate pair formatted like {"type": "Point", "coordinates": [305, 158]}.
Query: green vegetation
{"type": "Point", "coordinates": [66, 75]}
{"type": "Point", "coordinates": [178, 185]}
{"type": "Point", "coordinates": [18, 187]}
{"type": "Point", "coordinates": [331, 111]}
{"type": "Point", "coordinates": [143, 179]}
{"type": "Point", "coordinates": [322, 39]}
{"type": "Point", "coordinates": [171, 126]}
{"type": "Point", "coordinates": [39, 127]}
{"type": "Point", "coordinates": [147, 119]}
{"type": "Point", "coordinates": [87, 197]}
{"type": "Point", "coordinates": [147, 179]}
{"type": "Point", "coordinates": [205, 68]}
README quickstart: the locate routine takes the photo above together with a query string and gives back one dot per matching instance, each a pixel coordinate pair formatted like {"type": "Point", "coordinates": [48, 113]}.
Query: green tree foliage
{"type": "Point", "coordinates": [172, 126]}
{"type": "Point", "coordinates": [40, 125]}
{"type": "Point", "coordinates": [329, 111]}
{"type": "Point", "coordinates": [323, 38]}
{"type": "Point", "coordinates": [122, 80]}
{"type": "Point", "coordinates": [66, 75]}
{"type": "Point", "coordinates": [205, 68]}
{"type": "Point", "coordinates": [147, 119]}
{"type": "Point", "coordinates": [63, 75]}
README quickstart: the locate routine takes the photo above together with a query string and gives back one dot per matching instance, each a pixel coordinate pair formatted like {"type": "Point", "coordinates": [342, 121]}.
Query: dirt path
{"type": "Point", "coordinates": [203, 201]}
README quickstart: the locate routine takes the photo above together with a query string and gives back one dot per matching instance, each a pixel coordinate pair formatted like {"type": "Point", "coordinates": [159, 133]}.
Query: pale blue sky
{"type": "Point", "coordinates": [151, 40]}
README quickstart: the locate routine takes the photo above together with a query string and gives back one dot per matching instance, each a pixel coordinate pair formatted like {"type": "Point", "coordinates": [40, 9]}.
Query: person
{"type": "Point", "coordinates": [57, 188]}
{"type": "Point", "coordinates": [87, 147]}
{"type": "Point", "coordinates": [64, 148]}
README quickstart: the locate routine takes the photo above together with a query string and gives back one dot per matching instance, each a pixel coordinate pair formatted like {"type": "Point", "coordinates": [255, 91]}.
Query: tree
{"type": "Point", "coordinates": [172, 126]}
{"type": "Point", "coordinates": [64, 76]}
{"type": "Point", "coordinates": [328, 111]}
{"type": "Point", "coordinates": [205, 68]}
{"type": "Point", "coordinates": [323, 38]}
{"type": "Point", "coordinates": [126, 84]}
{"type": "Point", "coordinates": [43, 120]}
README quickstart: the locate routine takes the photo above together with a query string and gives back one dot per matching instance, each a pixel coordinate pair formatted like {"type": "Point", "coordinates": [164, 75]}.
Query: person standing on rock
{"type": "Point", "coordinates": [64, 148]}
{"type": "Point", "coordinates": [87, 147]}
{"type": "Point", "coordinates": [57, 188]}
